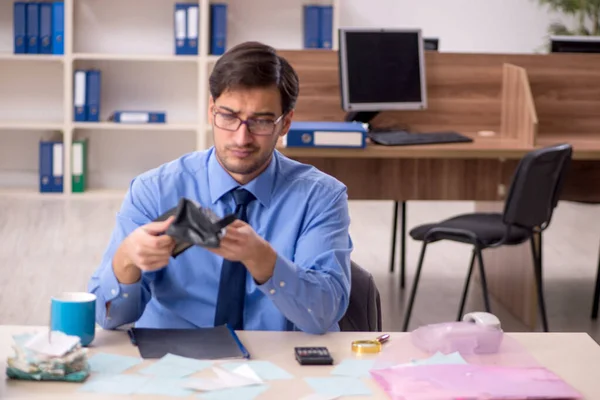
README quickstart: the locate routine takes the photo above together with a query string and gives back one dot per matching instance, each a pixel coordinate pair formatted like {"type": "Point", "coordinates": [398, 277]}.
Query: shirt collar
{"type": "Point", "coordinates": [220, 182]}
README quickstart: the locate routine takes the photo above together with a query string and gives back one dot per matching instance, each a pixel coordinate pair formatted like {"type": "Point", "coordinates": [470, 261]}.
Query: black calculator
{"type": "Point", "coordinates": [313, 356]}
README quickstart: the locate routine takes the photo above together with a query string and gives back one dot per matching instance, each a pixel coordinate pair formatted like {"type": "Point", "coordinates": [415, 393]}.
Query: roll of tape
{"type": "Point", "coordinates": [482, 318]}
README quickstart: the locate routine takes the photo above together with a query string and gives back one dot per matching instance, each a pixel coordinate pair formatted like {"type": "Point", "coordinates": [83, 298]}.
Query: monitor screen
{"type": "Point", "coordinates": [575, 44]}
{"type": "Point", "coordinates": [382, 70]}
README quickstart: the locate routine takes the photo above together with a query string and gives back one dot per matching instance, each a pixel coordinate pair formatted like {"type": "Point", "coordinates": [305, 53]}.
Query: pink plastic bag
{"type": "Point", "coordinates": [469, 381]}
{"type": "Point", "coordinates": [510, 373]}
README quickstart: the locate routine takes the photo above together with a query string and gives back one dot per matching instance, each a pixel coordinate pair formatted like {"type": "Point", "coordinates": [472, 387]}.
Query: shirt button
{"type": "Point", "coordinates": [309, 310]}
{"type": "Point", "coordinates": [282, 283]}
{"type": "Point", "coordinates": [272, 291]}
{"type": "Point", "coordinates": [114, 291]}
{"type": "Point", "coordinates": [125, 295]}
{"type": "Point", "coordinates": [108, 318]}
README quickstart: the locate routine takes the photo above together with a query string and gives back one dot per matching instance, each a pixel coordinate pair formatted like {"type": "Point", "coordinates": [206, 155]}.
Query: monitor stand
{"type": "Point", "coordinates": [360, 116]}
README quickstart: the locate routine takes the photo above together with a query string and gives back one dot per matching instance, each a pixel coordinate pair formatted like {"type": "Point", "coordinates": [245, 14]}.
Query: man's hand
{"type": "Point", "coordinates": [242, 243]}
{"type": "Point", "coordinates": [145, 249]}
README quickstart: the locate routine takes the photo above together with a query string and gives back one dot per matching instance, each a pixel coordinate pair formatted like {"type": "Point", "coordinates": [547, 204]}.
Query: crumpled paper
{"type": "Point", "coordinates": [27, 364]}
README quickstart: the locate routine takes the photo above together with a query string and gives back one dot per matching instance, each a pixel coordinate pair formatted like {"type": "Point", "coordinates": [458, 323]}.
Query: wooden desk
{"type": "Point", "coordinates": [575, 357]}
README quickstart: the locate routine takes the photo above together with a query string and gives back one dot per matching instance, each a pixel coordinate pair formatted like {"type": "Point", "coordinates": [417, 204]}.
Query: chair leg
{"type": "Point", "coordinates": [403, 247]}
{"type": "Point", "coordinates": [486, 296]}
{"type": "Point", "coordinates": [413, 293]}
{"type": "Point", "coordinates": [596, 292]}
{"type": "Point", "coordinates": [537, 270]}
{"type": "Point", "coordinates": [463, 299]}
{"type": "Point", "coordinates": [394, 231]}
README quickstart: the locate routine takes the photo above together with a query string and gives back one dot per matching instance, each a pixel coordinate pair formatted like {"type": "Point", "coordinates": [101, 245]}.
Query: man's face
{"type": "Point", "coordinates": [242, 150]}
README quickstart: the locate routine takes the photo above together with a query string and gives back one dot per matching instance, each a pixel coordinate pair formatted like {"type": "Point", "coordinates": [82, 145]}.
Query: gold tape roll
{"type": "Point", "coordinates": [366, 346]}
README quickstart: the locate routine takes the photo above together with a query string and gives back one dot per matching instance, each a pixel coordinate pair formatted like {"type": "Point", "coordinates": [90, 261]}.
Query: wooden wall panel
{"type": "Point", "coordinates": [413, 179]}
{"type": "Point", "coordinates": [519, 116]}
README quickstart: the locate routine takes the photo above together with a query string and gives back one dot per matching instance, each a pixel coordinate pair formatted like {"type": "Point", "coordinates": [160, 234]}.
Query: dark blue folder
{"type": "Point", "coordinates": [180, 28]}
{"type": "Point", "coordinates": [326, 27]}
{"type": "Point", "coordinates": [33, 28]}
{"type": "Point", "coordinates": [20, 27]}
{"type": "Point", "coordinates": [45, 28]}
{"type": "Point", "coordinates": [92, 92]}
{"type": "Point", "coordinates": [311, 26]}
{"type": "Point", "coordinates": [218, 28]}
{"type": "Point", "coordinates": [50, 169]}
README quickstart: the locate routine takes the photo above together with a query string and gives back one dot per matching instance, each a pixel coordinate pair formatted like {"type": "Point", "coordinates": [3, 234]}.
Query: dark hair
{"type": "Point", "coordinates": [255, 65]}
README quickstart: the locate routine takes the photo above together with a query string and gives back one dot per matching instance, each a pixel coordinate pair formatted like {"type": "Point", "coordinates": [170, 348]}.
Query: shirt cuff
{"type": "Point", "coordinates": [285, 277]}
{"type": "Point", "coordinates": [121, 296]}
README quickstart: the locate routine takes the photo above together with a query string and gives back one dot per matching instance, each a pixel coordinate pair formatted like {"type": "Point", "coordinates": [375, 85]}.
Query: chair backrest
{"type": "Point", "coordinates": [536, 186]}
{"type": "Point", "coordinates": [364, 309]}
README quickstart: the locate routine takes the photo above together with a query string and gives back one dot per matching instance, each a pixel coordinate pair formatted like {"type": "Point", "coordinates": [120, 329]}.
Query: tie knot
{"type": "Point", "coordinates": [242, 197]}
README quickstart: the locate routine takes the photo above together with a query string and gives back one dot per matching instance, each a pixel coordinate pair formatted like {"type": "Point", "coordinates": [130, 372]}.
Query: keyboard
{"type": "Point", "coordinates": [404, 138]}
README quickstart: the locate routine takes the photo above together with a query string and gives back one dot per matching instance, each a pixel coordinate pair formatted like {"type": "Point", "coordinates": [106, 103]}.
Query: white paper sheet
{"type": "Point", "coordinates": [241, 376]}
{"type": "Point", "coordinates": [58, 345]}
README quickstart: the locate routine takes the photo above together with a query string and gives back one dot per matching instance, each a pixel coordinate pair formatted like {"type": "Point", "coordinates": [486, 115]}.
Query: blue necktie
{"type": "Point", "coordinates": [232, 285]}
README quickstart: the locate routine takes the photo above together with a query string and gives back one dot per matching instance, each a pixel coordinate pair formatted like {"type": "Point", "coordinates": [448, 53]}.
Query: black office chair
{"type": "Point", "coordinates": [596, 292]}
{"type": "Point", "coordinates": [528, 209]}
{"type": "Point", "coordinates": [364, 310]}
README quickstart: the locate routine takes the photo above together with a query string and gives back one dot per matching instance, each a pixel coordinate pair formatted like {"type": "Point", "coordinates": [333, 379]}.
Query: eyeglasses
{"type": "Point", "coordinates": [257, 126]}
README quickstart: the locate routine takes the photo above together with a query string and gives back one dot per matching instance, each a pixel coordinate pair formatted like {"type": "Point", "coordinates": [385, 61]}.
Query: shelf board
{"type": "Point", "coordinates": [89, 194]}
{"type": "Point", "coordinates": [134, 57]}
{"type": "Point", "coordinates": [92, 194]}
{"type": "Point", "coordinates": [212, 59]}
{"type": "Point", "coordinates": [34, 126]}
{"type": "Point", "coordinates": [31, 57]}
{"type": "Point", "coordinates": [137, 127]}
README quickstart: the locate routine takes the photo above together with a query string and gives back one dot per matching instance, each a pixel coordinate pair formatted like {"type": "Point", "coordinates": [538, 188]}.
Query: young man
{"type": "Point", "coordinates": [284, 264]}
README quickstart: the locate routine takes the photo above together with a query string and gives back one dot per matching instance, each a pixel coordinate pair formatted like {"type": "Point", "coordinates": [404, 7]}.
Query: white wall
{"type": "Point", "coordinates": [493, 26]}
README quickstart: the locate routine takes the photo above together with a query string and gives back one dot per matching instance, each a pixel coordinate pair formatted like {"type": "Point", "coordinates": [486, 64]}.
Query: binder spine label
{"type": "Point", "coordinates": [192, 30]}
{"type": "Point", "coordinates": [180, 28]}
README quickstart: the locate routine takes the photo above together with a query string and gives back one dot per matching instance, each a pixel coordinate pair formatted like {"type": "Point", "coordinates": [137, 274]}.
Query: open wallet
{"type": "Point", "coordinates": [195, 225]}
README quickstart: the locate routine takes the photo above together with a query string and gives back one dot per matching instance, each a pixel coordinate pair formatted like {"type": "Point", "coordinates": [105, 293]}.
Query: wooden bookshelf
{"type": "Point", "coordinates": [132, 43]}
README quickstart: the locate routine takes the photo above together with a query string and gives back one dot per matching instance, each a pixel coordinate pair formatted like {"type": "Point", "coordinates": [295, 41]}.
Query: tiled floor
{"type": "Point", "coordinates": [51, 244]}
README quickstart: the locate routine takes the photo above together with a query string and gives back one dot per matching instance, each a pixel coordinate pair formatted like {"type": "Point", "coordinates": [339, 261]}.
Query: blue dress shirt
{"type": "Point", "coordinates": [301, 211]}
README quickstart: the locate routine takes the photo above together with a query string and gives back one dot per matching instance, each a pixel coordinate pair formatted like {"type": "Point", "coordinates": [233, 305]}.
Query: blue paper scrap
{"type": "Point", "coordinates": [164, 387]}
{"type": "Point", "coordinates": [173, 366]}
{"type": "Point", "coordinates": [441, 358]}
{"type": "Point", "coordinates": [238, 393]}
{"type": "Point", "coordinates": [266, 370]}
{"type": "Point", "coordinates": [114, 384]}
{"type": "Point", "coordinates": [339, 386]}
{"type": "Point", "coordinates": [354, 368]}
{"type": "Point", "coordinates": [112, 363]}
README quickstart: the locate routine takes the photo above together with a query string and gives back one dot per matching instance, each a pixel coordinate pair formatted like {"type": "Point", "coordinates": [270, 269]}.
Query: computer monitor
{"type": "Point", "coordinates": [381, 69]}
{"type": "Point", "coordinates": [575, 44]}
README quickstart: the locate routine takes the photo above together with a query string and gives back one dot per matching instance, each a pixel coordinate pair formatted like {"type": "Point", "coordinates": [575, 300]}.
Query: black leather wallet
{"type": "Point", "coordinates": [194, 225]}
